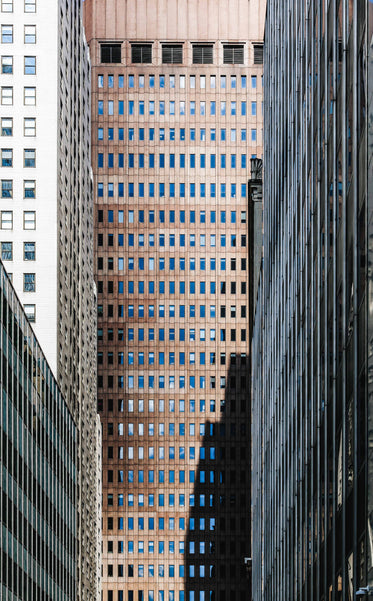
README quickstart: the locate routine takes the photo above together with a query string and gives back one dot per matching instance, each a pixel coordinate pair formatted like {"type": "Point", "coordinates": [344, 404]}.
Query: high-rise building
{"type": "Point", "coordinates": [38, 464]}
{"type": "Point", "coordinates": [46, 217]}
{"type": "Point", "coordinates": [312, 394]}
{"type": "Point", "coordinates": [176, 117]}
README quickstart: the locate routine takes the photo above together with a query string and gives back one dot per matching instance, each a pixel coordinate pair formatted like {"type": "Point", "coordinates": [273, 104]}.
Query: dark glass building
{"type": "Point", "coordinates": [38, 447]}
{"type": "Point", "coordinates": [312, 358]}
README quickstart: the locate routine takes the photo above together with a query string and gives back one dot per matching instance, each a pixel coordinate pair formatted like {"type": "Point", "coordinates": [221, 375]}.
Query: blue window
{"type": "Point", "coordinates": [121, 133]}
{"type": "Point", "coordinates": [243, 135]}
{"type": "Point", "coordinates": [141, 161]}
{"type": "Point", "coordinates": [212, 161]}
{"type": "Point", "coordinates": [100, 160]}
{"type": "Point", "coordinates": [192, 161]}
{"type": "Point", "coordinates": [243, 161]}
{"type": "Point", "coordinates": [243, 190]}
{"type": "Point", "coordinates": [161, 190]}
{"type": "Point", "coordinates": [161, 161]}
{"type": "Point", "coordinates": [233, 161]}
{"type": "Point", "coordinates": [222, 135]}
{"type": "Point", "coordinates": [151, 134]}
{"type": "Point", "coordinates": [253, 108]}
{"type": "Point", "coordinates": [151, 161]}
{"type": "Point", "coordinates": [141, 189]}
{"type": "Point", "coordinates": [222, 161]}
{"type": "Point", "coordinates": [172, 161]}
{"type": "Point", "coordinates": [202, 161]}
{"type": "Point", "coordinates": [182, 161]}
{"type": "Point", "coordinates": [131, 160]}
{"type": "Point", "coordinates": [243, 108]}
{"type": "Point", "coordinates": [192, 190]}
{"type": "Point", "coordinates": [121, 107]}
{"type": "Point", "coordinates": [131, 190]}
{"type": "Point", "coordinates": [120, 160]}
{"type": "Point", "coordinates": [141, 107]}
{"type": "Point", "coordinates": [141, 133]}
{"type": "Point", "coordinates": [182, 190]}
{"type": "Point", "coordinates": [151, 190]}
{"type": "Point", "coordinates": [182, 134]}
{"type": "Point", "coordinates": [222, 190]}
{"type": "Point", "coordinates": [100, 107]}
{"type": "Point", "coordinates": [172, 190]}
{"type": "Point", "coordinates": [212, 107]}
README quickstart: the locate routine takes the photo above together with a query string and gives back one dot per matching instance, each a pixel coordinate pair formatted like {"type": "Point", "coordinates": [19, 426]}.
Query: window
{"type": "Point", "coordinates": [30, 34]}
{"type": "Point", "coordinates": [6, 95]}
{"type": "Point", "coordinates": [29, 157]}
{"type": "Point", "coordinates": [30, 6]}
{"type": "Point", "coordinates": [233, 54]}
{"type": "Point", "coordinates": [29, 282]}
{"type": "Point", "coordinates": [29, 189]}
{"type": "Point", "coordinates": [30, 312]}
{"type": "Point", "coordinates": [202, 54]}
{"type": "Point", "coordinates": [6, 220]}
{"type": "Point", "coordinates": [258, 54]}
{"type": "Point", "coordinates": [6, 6]}
{"type": "Point", "coordinates": [29, 220]}
{"type": "Point", "coordinates": [6, 157]}
{"type": "Point", "coordinates": [6, 64]}
{"type": "Point", "coordinates": [29, 96]}
{"type": "Point", "coordinates": [6, 188]}
{"type": "Point", "coordinates": [172, 53]}
{"type": "Point", "coordinates": [29, 127]}
{"type": "Point", "coordinates": [6, 251]}
{"type": "Point", "coordinates": [7, 34]}
{"type": "Point", "coordinates": [111, 53]}
{"type": "Point", "coordinates": [29, 251]}
{"type": "Point", "coordinates": [141, 53]}
{"type": "Point", "coordinates": [30, 65]}
{"type": "Point", "coordinates": [6, 126]}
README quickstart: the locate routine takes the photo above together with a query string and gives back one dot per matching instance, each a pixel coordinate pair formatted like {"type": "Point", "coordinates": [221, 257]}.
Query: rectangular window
{"type": "Point", "coordinates": [6, 157]}
{"type": "Point", "coordinates": [111, 53]}
{"type": "Point", "coordinates": [29, 189]}
{"type": "Point", "coordinates": [29, 96]}
{"type": "Point", "coordinates": [6, 126]}
{"type": "Point", "coordinates": [7, 34]}
{"type": "Point", "coordinates": [30, 312]}
{"type": "Point", "coordinates": [258, 54]}
{"type": "Point", "coordinates": [7, 6]}
{"type": "Point", "coordinates": [29, 127]}
{"type": "Point", "coordinates": [233, 54]}
{"type": "Point", "coordinates": [29, 220]}
{"type": "Point", "coordinates": [6, 188]}
{"type": "Point", "coordinates": [6, 95]}
{"type": "Point", "coordinates": [7, 251]}
{"type": "Point", "coordinates": [30, 6]}
{"type": "Point", "coordinates": [29, 251]}
{"type": "Point", "coordinates": [29, 157]}
{"type": "Point", "coordinates": [6, 220]}
{"type": "Point", "coordinates": [6, 65]}
{"type": "Point", "coordinates": [202, 54]}
{"type": "Point", "coordinates": [172, 54]}
{"type": "Point", "coordinates": [30, 34]}
{"type": "Point", "coordinates": [30, 65]}
{"type": "Point", "coordinates": [141, 53]}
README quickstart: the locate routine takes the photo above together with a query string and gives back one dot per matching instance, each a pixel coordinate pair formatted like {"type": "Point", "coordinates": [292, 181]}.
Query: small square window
{"type": "Point", "coordinates": [29, 282]}
{"type": "Point", "coordinates": [29, 220]}
{"type": "Point", "coordinates": [29, 157]}
{"type": "Point", "coordinates": [30, 6]}
{"type": "Point", "coordinates": [172, 54]}
{"type": "Point", "coordinates": [6, 126]}
{"type": "Point", "coordinates": [30, 65]}
{"type": "Point", "coordinates": [202, 54]}
{"type": "Point", "coordinates": [141, 53]}
{"type": "Point", "coordinates": [111, 53]}
{"type": "Point", "coordinates": [29, 96]}
{"type": "Point", "coordinates": [30, 34]}
{"type": "Point", "coordinates": [233, 54]}
{"type": "Point", "coordinates": [7, 251]}
{"type": "Point", "coordinates": [29, 127]}
{"type": "Point", "coordinates": [6, 220]}
{"type": "Point", "coordinates": [6, 64]}
{"type": "Point", "coordinates": [30, 312]}
{"type": "Point", "coordinates": [6, 95]}
{"type": "Point", "coordinates": [7, 34]}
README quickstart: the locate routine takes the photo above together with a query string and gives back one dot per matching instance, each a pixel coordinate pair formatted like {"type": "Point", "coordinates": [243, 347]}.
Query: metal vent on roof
{"type": "Point", "coordinates": [141, 53]}
{"type": "Point", "coordinates": [172, 54]}
{"type": "Point", "coordinates": [202, 54]}
{"type": "Point", "coordinates": [233, 54]}
{"type": "Point", "coordinates": [258, 54]}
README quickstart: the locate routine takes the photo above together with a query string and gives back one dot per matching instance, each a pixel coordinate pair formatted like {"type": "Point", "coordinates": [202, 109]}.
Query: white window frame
{"type": "Point", "coordinates": [7, 95]}
{"type": "Point", "coordinates": [29, 220]}
{"type": "Point", "coordinates": [29, 125]}
{"type": "Point", "coordinates": [29, 34]}
{"type": "Point", "coordinates": [6, 220]}
{"type": "Point", "coordinates": [29, 95]}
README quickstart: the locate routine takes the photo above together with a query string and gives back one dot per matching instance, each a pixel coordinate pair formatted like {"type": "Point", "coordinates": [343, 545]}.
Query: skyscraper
{"type": "Point", "coordinates": [46, 217]}
{"type": "Point", "coordinates": [176, 116]}
{"type": "Point", "coordinates": [312, 397]}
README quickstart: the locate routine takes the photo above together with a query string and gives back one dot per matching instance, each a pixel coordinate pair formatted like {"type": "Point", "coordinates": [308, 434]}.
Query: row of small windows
{"type": "Point", "coordinates": [29, 126]}
{"type": "Point", "coordinates": [29, 186]}
{"type": "Point", "coordinates": [200, 240]}
{"type": "Point", "coordinates": [233, 108]}
{"type": "Point", "coordinates": [171, 595]}
{"type": "Point", "coordinates": [170, 134]}
{"type": "Point", "coordinates": [29, 157]}
{"type": "Point", "coordinates": [190, 190]}
{"type": "Point", "coordinates": [202, 500]}
{"type": "Point", "coordinates": [171, 358]}
{"type": "Point", "coordinates": [29, 251]}
{"type": "Point", "coordinates": [181, 405]}
{"type": "Point", "coordinates": [139, 312]}
{"type": "Point", "coordinates": [28, 69]}
{"type": "Point", "coordinates": [29, 96]}
{"type": "Point", "coordinates": [173, 53]}
{"type": "Point", "coordinates": [162, 572]}
{"type": "Point", "coordinates": [170, 80]}
{"type": "Point", "coordinates": [194, 430]}
{"type": "Point", "coordinates": [28, 7]}
{"type": "Point", "coordinates": [162, 216]}
{"type": "Point", "coordinates": [7, 34]}
{"type": "Point", "coordinates": [6, 220]}
{"type": "Point", "coordinates": [183, 382]}
{"type": "Point", "coordinates": [151, 288]}
{"type": "Point", "coordinates": [159, 161]}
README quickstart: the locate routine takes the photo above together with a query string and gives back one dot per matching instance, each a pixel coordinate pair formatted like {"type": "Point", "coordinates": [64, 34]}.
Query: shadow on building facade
{"type": "Point", "coordinates": [218, 539]}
